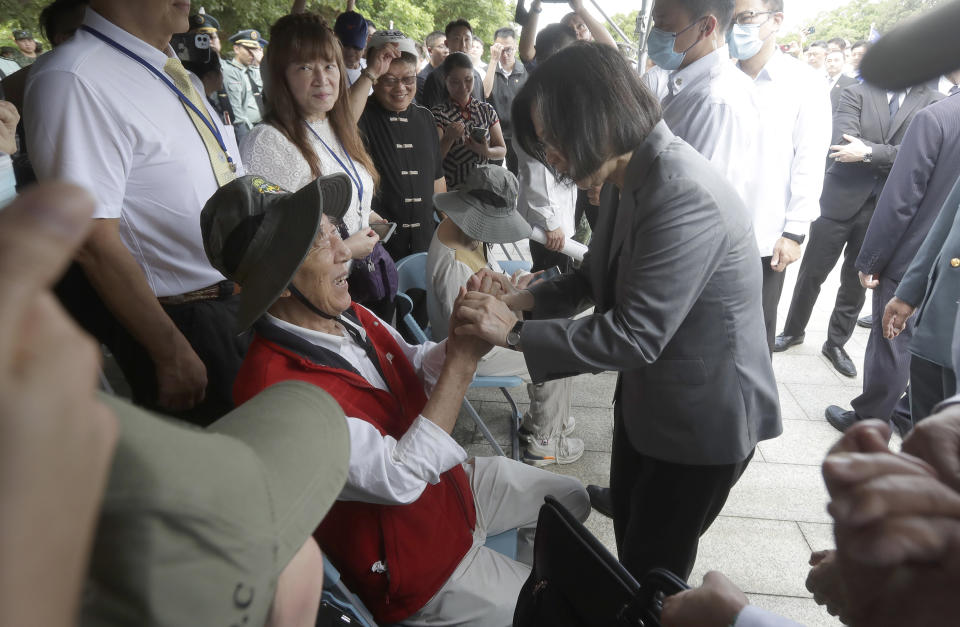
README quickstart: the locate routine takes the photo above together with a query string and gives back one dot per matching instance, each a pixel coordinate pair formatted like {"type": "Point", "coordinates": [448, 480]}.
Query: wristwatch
{"type": "Point", "coordinates": [513, 337]}
{"type": "Point", "coordinates": [868, 158]}
{"type": "Point", "coordinates": [797, 238]}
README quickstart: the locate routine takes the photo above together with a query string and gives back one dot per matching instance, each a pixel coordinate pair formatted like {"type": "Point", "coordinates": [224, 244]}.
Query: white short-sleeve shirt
{"type": "Point", "coordinates": [101, 120]}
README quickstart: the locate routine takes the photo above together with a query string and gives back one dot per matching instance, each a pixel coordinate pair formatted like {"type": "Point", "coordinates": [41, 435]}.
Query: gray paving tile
{"type": "Point", "coordinates": [804, 611]}
{"type": "Point", "coordinates": [779, 492]}
{"type": "Point", "coordinates": [804, 442]}
{"type": "Point", "coordinates": [602, 527]}
{"type": "Point", "coordinates": [789, 407]}
{"type": "Point", "coordinates": [819, 536]}
{"type": "Point", "coordinates": [593, 467]}
{"type": "Point", "coordinates": [760, 556]}
{"type": "Point", "coordinates": [814, 398]}
{"type": "Point", "coordinates": [808, 369]}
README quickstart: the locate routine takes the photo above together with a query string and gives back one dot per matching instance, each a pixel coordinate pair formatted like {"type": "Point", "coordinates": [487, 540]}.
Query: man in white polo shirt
{"type": "Point", "coordinates": [105, 111]}
{"type": "Point", "coordinates": [795, 119]}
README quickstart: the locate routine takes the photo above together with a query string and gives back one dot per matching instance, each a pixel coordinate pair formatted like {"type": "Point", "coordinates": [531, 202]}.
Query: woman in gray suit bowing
{"type": "Point", "coordinates": [673, 278]}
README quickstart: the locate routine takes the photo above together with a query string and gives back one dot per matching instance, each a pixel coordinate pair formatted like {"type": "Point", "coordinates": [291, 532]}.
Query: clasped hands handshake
{"type": "Point", "coordinates": [485, 310]}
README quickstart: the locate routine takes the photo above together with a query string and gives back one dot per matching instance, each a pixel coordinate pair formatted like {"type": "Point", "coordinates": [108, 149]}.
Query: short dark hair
{"type": "Point", "coordinates": [818, 44]}
{"type": "Point", "coordinates": [60, 18]}
{"type": "Point", "coordinates": [589, 126]}
{"type": "Point", "coordinates": [840, 41]}
{"type": "Point", "coordinates": [456, 60]}
{"type": "Point", "coordinates": [503, 33]}
{"type": "Point", "coordinates": [720, 9]}
{"type": "Point", "coordinates": [552, 38]}
{"type": "Point", "coordinates": [457, 24]}
{"type": "Point", "coordinates": [434, 38]}
{"type": "Point", "coordinates": [774, 5]}
{"type": "Point", "coordinates": [860, 43]}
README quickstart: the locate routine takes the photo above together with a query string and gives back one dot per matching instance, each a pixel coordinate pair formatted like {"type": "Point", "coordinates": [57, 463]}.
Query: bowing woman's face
{"type": "Point", "coordinates": [460, 84]}
{"type": "Point", "coordinates": [558, 160]}
{"type": "Point", "coordinates": [315, 86]}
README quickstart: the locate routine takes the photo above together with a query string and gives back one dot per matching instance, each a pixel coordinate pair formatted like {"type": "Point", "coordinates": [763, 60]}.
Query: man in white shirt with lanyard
{"type": "Point", "coordinates": [795, 118]}
{"type": "Point", "coordinates": [113, 111]}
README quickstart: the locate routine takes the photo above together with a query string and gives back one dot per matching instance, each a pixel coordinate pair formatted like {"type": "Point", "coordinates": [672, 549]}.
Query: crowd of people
{"type": "Point", "coordinates": [228, 229]}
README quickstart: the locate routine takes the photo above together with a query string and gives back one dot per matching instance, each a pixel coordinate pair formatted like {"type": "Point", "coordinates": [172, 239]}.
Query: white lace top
{"type": "Point", "coordinates": [266, 152]}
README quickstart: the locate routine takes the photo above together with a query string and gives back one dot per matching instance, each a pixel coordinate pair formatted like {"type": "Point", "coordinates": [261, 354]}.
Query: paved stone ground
{"type": "Point", "coordinates": [776, 515]}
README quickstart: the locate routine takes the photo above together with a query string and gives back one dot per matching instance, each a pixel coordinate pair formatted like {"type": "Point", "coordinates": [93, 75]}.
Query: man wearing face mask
{"type": "Point", "coordinates": [706, 101]}
{"type": "Point", "coordinates": [795, 120]}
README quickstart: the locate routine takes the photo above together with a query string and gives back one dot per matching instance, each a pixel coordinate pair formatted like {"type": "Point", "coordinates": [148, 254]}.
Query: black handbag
{"type": "Point", "coordinates": [576, 582]}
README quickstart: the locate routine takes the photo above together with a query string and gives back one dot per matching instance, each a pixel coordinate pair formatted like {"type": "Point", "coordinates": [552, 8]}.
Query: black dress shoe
{"type": "Point", "coordinates": [783, 342]}
{"type": "Point", "coordinates": [840, 360]}
{"type": "Point", "coordinates": [865, 321]}
{"type": "Point", "coordinates": [840, 419]}
{"type": "Point", "coordinates": [600, 500]}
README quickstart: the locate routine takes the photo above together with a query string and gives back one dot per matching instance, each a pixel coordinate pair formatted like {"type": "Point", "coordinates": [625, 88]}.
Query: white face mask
{"type": "Point", "coordinates": [744, 41]}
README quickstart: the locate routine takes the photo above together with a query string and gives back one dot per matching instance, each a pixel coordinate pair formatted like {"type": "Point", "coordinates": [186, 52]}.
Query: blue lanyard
{"type": "Point", "coordinates": [163, 77]}
{"type": "Point", "coordinates": [355, 177]}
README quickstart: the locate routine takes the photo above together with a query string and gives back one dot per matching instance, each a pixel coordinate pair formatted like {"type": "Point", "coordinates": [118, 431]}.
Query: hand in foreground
{"type": "Point", "coordinates": [936, 440]}
{"type": "Point", "coordinates": [496, 49]}
{"type": "Point", "coordinates": [56, 437]}
{"type": "Point", "coordinates": [468, 347]}
{"type": "Point", "coordinates": [895, 316]}
{"type": "Point", "coordinates": [826, 583]}
{"type": "Point", "coordinates": [785, 252]}
{"type": "Point", "coordinates": [454, 131]}
{"type": "Point", "coordinates": [479, 148]}
{"type": "Point", "coordinates": [490, 282]}
{"type": "Point", "coordinates": [521, 280]}
{"type": "Point", "coordinates": [715, 603]}
{"type": "Point", "coordinates": [852, 152]}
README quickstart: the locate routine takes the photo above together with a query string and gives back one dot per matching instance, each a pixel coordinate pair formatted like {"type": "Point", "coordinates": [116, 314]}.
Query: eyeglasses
{"type": "Point", "coordinates": [391, 81]}
{"type": "Point", "coordinates": [508, 50]}
{"type": "Point", "coordinates": [750, 17]}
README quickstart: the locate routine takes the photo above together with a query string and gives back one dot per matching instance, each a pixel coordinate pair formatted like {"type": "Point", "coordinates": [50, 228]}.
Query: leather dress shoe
{"type": "Point", "coordinates": [840, 360]}
{"type": "Point", "coordinates": [840, 420]}
{"type": "Point", "coordinates": [782, 342]}
{"type": "Point", "coordinates": [865, 322]}
{"type": "Point", "coordinates": [600, 500]}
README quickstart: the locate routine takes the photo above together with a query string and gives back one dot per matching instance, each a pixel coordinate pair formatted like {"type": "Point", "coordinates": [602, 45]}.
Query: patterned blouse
{"type": "Point", "coordinates": [268, 153]}
{"type": "Point", "coordinates": [460, 160]}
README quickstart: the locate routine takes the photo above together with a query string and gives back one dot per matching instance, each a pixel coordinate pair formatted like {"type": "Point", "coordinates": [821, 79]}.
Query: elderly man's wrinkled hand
{"type": "Point", "coordinates": [8, 127]}
{"type": "Point", "coordinates": [489, 282]}
{"type": "Point", "coordinates": [467, 346]}
{"type": "Point", "coordinates": [936, 440]}
{"type": "Point", "coordinates": [826, 583]}
{"type": "Point", "coordinates": [486, 317]}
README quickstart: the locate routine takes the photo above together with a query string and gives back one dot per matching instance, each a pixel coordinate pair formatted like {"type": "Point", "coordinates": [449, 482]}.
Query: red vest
{"type": "Point", "coordinates": [419, 544]}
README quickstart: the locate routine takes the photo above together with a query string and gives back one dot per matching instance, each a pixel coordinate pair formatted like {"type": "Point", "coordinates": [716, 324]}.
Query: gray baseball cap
{"type": "Point", "coordinates": [257, 234]}
{"type": "Point", "coordinates": [196, 525]}
{"type": "Point", "coordinates": [485, 207]}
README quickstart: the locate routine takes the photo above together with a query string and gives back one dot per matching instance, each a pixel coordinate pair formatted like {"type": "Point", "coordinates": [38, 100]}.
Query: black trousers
{"type": "Point", "coordinates": [770, 295]}
{"type": "Point", "coordinates": [930, 383]}
{"type": "Point", "coordinates": [660, 509]}
{"type": "Point", "coordinates": [829, 238]}
{"type": "Point", "coordinates": [886, 363]}
{"type": "Point", "coordinates": [209, 326]}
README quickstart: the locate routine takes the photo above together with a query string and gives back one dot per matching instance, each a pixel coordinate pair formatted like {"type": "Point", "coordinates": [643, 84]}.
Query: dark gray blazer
{"type": "Point", "coordinates": [932, 284]}
{"type": "Point", "coordinates": [673, 274]}
{"type": "Point", "coordinates": [865, 113]}
{"type": "Point", "coordinates": [923, 174]}
{"type": "Point", "coordinates": [842, 83]}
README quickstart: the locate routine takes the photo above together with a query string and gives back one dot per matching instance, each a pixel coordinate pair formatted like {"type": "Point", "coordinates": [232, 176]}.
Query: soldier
{"type": "Point", "coordinates": [27, 52]}
{"type": "Point", "coordinates": [241, 87]}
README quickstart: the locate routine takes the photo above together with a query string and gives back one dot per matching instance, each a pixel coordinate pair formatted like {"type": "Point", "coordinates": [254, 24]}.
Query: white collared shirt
{"type": "Point", "coordinates": [382, 469]}
{"type": "Point", "coordinates": [711, 105]}
{"type": "Point", "coordinates": [796, 127]}
{"type": "Point", "coordinates": [103, 121]}
{"type": "Point", "coordinates": [543, 200]}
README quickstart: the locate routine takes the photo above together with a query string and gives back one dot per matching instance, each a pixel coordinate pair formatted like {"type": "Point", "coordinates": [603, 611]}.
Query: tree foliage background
{"type": "Point", "coordinates": [416, 18]}
{"type": "Point", "coordinates": [852, 21]}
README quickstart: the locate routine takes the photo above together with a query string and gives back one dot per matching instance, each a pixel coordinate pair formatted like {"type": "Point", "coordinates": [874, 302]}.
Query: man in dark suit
{"type": "Point", "coordinates": [922, 176]}
{"type": "Point", "coordinates": [868, 126]}
{"type": "Point", "coordinates": [838, 80]}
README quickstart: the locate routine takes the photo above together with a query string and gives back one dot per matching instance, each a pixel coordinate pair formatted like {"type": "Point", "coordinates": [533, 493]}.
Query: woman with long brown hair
{"type": "Point", "coordinates": [309, 129]}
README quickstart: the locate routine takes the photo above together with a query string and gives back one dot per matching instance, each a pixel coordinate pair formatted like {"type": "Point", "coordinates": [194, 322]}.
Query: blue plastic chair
{"type": "Point", "coordinates": [512, 265]}
{"type": "Point", "coordinates": [412, 273]}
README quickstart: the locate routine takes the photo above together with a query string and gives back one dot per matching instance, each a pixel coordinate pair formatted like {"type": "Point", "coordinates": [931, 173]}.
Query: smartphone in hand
{"type": "Point", "coordinates": [384, 229]}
